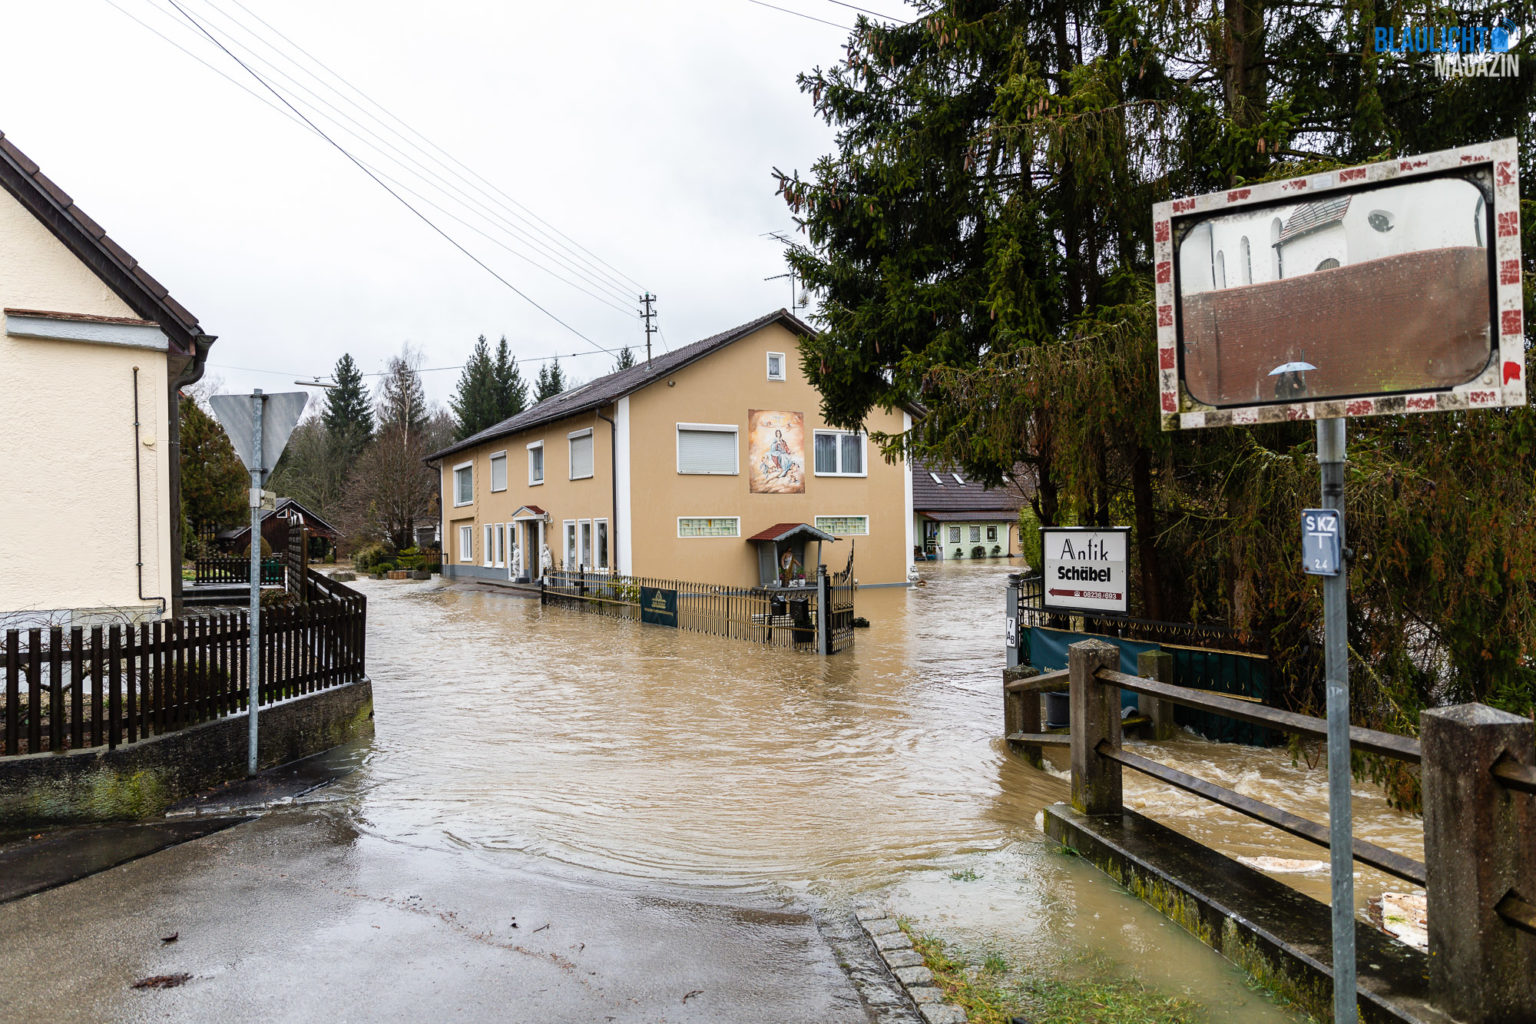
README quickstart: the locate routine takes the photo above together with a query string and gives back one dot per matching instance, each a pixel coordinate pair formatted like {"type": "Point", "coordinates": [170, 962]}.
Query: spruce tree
{"type": "Point", "coordinates": [474, 403]}
{"type": "Point", "coordinates": [625, 361]}
{"type": "Point", "coordinates": [511, 389]}
{"type": "Point", "coordinates": [348, 413]}
{"type": "Point", "coordinates": [551, 381]}
{"type": "Point", "coordinates": [402, 401]}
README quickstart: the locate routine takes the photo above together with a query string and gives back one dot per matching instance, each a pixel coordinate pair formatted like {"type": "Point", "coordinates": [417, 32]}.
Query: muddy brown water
{"type": "Point", "coordinates": [658, 757]}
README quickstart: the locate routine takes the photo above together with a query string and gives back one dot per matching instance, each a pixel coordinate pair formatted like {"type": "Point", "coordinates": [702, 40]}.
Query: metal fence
{"type": "Point", "coordinates": [70, 689]}
{"type": "Point", "coordinates": [1205, 657]}
{"type": "Point", "coordinates": [817, 617]}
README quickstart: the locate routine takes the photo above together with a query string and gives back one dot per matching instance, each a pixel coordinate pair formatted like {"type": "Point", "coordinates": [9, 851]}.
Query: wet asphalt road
{"type": "Point", "coordinates": [298, 916]}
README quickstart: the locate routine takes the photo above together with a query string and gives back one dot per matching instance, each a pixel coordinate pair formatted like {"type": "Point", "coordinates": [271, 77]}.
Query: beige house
{"type": "Point", "coordinates": [708, 464]}
{"type": "Point", "coordinates": [93, 351]}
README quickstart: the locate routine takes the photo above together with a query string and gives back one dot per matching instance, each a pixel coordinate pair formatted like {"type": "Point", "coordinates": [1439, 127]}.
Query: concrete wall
{"type": "Point", "coordinates": [141, 779]}
{"type": "Point", "coordinates": [722, 388]}
{"type": "Point", "coordinates": [67, 424]}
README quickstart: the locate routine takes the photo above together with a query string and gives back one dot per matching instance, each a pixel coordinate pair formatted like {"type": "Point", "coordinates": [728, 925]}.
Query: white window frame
{"type": "Point", "coordinates": [467, 542]}
{"type": "Point", "coordinates": [783, 370]}
{"type": "Point", "coordinates": [721, 428]}
{"type": "Point", "coordinates": [584, 543]}
{"type": "Point", "coordinates": [470, 465]}
{"type": "Point", "coordinates": [485, 538]}
{"type": "Point", "coordinates": [816, 521]}
{"type": "Point", "coordinates": [709, 536]}
{"type": "Point", "coordinates": [570, 443]}
{"type": "Point", "coordinates": [954, 535]}
{"type": "Point", "coordinates": [568, 543]}
{"type": "Point", "coordinates": [499, 535]}
{"type": "Point", "coordinates": [502, 456]}
{"type": "Point", "coordinates": [975, 535]}
{"type": "Point", "coordinates": [542, 468]}
{"type": "Point", "coordinates": [840, 434]}
{"type": "Point", "coordinates": [600, 531]}
{"type": "Point", "coordinates": [992, 532]}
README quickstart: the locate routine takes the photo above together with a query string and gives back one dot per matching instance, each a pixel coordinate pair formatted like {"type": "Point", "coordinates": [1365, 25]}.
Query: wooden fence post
{"type": "Point", "coordinates": [1021, 713]}
{"type": "Point", "coordinates": [1156, 665]}
{"type": "Point", "coordinates": [1479, 845]}
{"type": "Point", "coordinates": [1095, 718]}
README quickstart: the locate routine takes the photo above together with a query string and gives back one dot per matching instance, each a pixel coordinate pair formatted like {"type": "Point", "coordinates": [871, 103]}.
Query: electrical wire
{"type": "Point", "coordinates": [400, 199]}
{"type": "Point", "coordinates": [619, 276]}
{"type": "Point", "coordinates": [357, 130]}
{"type": "Point", "coordinates": [801, 14]}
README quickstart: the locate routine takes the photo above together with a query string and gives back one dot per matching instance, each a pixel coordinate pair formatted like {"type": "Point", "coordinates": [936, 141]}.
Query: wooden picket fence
{"type": "Point", "coordinates": [71, 689]}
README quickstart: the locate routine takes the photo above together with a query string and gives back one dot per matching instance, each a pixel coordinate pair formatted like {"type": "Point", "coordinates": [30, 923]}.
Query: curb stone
{"type": "Point", "coordinates": [906, 965]}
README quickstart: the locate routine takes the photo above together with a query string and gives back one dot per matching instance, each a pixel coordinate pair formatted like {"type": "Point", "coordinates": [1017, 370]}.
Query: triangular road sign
{"type": "Point", "coordinates": [281, 414]}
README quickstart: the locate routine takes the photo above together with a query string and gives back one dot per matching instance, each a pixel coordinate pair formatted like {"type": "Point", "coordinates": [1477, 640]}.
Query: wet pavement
{"type": "Point", "coordinates": [687, 814]}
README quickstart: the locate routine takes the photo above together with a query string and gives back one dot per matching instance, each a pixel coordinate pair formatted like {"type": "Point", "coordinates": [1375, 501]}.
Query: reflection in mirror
{"type": "Point", "coordinates": [1377, 291]}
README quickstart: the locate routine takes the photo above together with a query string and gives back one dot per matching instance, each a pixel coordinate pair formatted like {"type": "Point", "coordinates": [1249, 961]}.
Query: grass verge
{"type": "Point", "coordinates": [990, 993]}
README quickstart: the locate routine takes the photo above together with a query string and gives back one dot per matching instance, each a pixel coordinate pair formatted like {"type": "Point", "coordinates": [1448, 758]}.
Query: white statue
{"type": "Point", "coordinates": [517, 563]}
{"type": "Point", "coordinates": [546, 561]}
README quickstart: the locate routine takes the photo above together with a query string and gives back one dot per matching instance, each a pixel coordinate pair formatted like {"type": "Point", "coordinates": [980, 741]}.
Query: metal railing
{"type": "Point", "coordinates": [793, 617]}
{"type": "Point", "coordinates": [1454, 801]}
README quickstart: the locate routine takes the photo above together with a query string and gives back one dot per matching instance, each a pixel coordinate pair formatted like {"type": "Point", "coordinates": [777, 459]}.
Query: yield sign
{"type": "Point", "coordinates": [237, 414]}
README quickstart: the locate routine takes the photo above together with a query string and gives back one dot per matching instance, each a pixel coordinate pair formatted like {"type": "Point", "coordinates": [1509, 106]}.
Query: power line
{"type": "Point", "coordinates": [431, 178]}
{"type": "Point", "coordinates": [801, 14]}
{"type": "Point", "coordinates": [623, 278]}
{"type": "Point", "coordinates": [866, 10]}
{"type": "Point", "coordinates": [400, 199]}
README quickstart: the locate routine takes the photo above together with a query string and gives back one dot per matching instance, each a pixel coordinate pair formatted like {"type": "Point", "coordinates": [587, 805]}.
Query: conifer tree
{"type": "Point", "coordinates": [551, 381]}
{"type": "Point", "coordinates": [348, 413]}
{"type": "Point", "coordinates": [475, 402]}
{"type": "Point", "coordinates": [625, 360]}
{"type": "Point", "coordinates": [213, 479]}
{"type": "Point", "coordinates": [511, 389]}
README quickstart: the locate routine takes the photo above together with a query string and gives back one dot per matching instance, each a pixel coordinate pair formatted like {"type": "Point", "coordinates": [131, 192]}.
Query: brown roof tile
{"type": "Point", "coordinates": [22, 160]}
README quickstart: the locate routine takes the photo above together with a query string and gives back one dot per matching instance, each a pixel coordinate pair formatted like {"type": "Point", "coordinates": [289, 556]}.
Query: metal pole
{"type": "Point", "coordinates": [1330, 459]}
{"type": "Point", "coordinates": [258, 400]}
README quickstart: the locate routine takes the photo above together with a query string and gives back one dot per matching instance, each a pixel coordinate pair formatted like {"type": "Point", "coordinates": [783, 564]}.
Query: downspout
{"type": "Point", "coordinates": [138, 499]}
{"type": "Point", "coordinates": [613, 478]}
{"type": "Point", "coordinates": [190, 372]}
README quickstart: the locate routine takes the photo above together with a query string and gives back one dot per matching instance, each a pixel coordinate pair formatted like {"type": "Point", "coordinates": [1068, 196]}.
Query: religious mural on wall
{"type": "Point", "coordinates": [776, 452]}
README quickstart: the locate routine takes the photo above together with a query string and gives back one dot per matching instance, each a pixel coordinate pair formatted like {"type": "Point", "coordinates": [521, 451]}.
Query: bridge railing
{"type": "Point", "coordinates": [1478, 775]}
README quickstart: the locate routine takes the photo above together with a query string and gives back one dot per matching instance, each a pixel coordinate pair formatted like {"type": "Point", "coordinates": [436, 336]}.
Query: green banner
{"type": "Point", "coordinates": [658, 605]}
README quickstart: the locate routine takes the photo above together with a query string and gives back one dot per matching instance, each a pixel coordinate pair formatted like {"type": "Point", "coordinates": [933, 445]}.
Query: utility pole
{"type": "Point", "coordinates": [650, 327]}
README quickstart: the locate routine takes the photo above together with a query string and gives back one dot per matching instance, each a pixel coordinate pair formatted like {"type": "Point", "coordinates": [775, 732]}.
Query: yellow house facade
{"type": "Point", "coordinates": [93, 351]}
{"type": "Point", "coordinates": [709, 464]}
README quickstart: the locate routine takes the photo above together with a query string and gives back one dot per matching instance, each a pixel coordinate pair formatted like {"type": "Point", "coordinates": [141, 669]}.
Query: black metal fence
{"type": "Point", "coordinates": [794, 617]}
{"type": "Point", "coordinates": [70, 689]}
{"type": "Point", "coordinates": [1205, 657]}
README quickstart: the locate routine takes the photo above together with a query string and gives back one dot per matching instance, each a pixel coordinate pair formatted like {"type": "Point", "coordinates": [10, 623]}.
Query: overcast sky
{"type": "Point", "coordinates": [643, 131]}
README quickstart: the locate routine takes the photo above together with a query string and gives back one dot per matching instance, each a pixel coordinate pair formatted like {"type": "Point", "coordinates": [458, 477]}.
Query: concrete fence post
{"type": "Point", "coordinates": [1156, 665]}
{"type": "Point", "coordinates": [1479, 845]}
{"type": "Point", "coordinates": [1095, 718]}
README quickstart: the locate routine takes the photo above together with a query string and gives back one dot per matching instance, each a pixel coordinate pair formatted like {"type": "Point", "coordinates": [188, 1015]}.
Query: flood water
{"type": "Point", "coordinates": [655, 757]}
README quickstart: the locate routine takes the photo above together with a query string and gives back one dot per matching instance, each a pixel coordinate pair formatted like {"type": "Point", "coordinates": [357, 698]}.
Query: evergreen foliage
{"type": "Point", "coordinates": [980, 243]}
{"type": "Point", "coordinates": [511, 389]}
{"type": "Point", "coordinates": [551, 381]}
{"type": "Point", "coordinates": [476, 403]}
{"type": "Point", "coordinates": [625, 360]}
{"type": "Point", "coordinates": [348, 413]}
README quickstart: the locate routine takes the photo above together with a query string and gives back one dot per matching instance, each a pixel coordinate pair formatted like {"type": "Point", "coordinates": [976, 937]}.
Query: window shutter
{"type": "Point", "coordinates": [581, 456]}
{"type": "Point", "coordinates": [499, 473]}
{"type": "Point", "coordinates": [706, 451]}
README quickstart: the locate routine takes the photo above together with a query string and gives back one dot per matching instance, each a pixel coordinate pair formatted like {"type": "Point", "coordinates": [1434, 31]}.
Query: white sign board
{"type": "Point", "coordinates": [1086, 569]}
